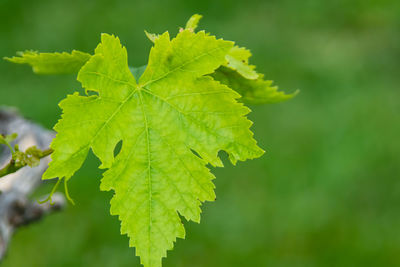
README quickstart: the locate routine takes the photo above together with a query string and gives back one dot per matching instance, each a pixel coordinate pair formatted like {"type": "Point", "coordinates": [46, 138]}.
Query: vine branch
{"type": "Point", "coordinates": [14, 165]}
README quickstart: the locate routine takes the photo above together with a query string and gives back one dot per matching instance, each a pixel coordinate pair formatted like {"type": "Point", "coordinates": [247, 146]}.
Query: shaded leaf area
{"type": "Point", "coordinates": [258, 91]}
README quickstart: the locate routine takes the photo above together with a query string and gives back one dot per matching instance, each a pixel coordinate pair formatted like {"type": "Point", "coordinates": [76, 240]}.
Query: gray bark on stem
{"type": "Point", "coordinates": [16, 209]}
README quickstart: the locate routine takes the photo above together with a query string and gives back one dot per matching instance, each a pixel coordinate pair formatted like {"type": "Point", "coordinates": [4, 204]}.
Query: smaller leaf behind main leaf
{"type": "Point", "coordinates": [239, 75]}
{"type": "Point", "coordinates": [52, 63]}
{"type": "Point", "coordinates": [257, 91]}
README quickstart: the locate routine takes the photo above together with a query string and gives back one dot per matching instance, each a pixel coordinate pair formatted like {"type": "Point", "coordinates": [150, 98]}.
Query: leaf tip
{"type": "Point", "coordinates": [151, 36]}
{"type": "Point", "coordinates": [193, 22]}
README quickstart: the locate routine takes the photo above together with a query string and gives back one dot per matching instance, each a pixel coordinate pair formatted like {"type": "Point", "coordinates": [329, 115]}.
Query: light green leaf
{"type": "Point", "coordinates": [238, 59]}
{"type": "Point", "coordinates": [7, 139]}
{"type": "Point", "coordinates": [152, 36]}
{"type": "Point", "coordinates": [257, 91]}
{"type": "Point", "coordinates": [52, 63]}
{"type": "Point", "coordinates": [172, 124]}
{"type": "Point", "coordinates": [193, 22]}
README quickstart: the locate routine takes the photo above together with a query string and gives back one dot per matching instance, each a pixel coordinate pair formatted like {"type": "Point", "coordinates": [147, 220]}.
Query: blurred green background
{"type": "Point", "coordinates": [327, 193]}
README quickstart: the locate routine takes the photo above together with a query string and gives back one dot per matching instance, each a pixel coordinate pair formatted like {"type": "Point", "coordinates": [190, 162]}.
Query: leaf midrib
{"type": "Point", "coordinates": [149, 180]}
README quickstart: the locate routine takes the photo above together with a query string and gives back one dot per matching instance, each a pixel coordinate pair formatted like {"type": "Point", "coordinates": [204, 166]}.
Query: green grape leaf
{"type": "Point", "coordinates": [257, 91]}
{"type": "Point", "coordinates": [172, 122]}
{"type": "Point", "coordinates": [52, 63]}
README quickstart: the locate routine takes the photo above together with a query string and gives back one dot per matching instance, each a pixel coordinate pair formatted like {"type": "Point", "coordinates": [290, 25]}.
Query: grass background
{"type": "Point", "coordinates": [327, 193]}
